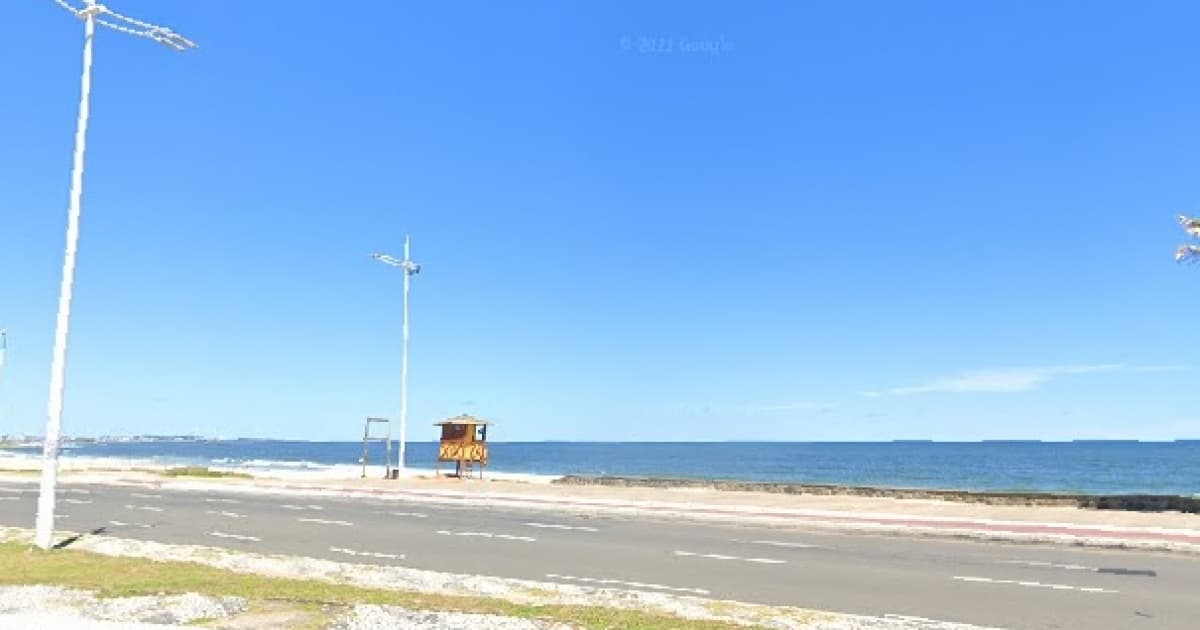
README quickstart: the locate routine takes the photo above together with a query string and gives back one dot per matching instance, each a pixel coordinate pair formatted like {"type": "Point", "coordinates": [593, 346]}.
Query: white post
{"type": "Point", "coordinates": [44, 536]}
{"type": "Point", "coordinates": [3, 349]}
{"type": "Point", "coordinates": [400, 465]}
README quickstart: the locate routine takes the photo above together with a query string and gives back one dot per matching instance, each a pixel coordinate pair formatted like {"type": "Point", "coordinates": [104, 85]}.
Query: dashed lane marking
{"type": "Point", "coordinates": [367, 554]}
{"type": "Point", "coordinates": [578, 528]}
{"type": "Point", "coordinates": [487, 535]}
{"type": "Point", "coordinates": [639, 585]}
{"type": "Point", "coordinates": [145, 496]}
{"type": "Point", "coordinates": [1030, 584]}
{"type": "Point", "coordinates": [235, 536]}
{"type": "Point", "coordinates": [409, 514]}
{"type": "Point", "coordinates": [226, 514]}
{"type": "Point", "coordinates": [1050, 565]}
{"type": "Point", "coordinates": [77, 501]}
{"type": "Point", "coordinates": [146, 508]}
{"type": "Point", "coordinates": [222, 501]}
{"type": "Point", "coordinates": [10, 498]}
{"type": "Point", "coordinates": [721, 556]}
{"type": "Point", "coordinates": [777, 543]}
{"type": "Point", "coordinates": [321, 521]}
{"type": "Point", "coordinates": [926, 623]}
{"type": "Point", "coordinates": [124, 524]}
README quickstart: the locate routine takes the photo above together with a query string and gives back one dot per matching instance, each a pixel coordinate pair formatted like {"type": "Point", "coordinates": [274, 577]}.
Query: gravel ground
{"type": "Point", "coordinates": [86, 610]}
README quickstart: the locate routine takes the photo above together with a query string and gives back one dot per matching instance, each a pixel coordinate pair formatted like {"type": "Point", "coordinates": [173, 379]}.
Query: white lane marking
{"type": "Point", "coordinates": [1050, 565]}
{"type": "Point", "coordinates": [288, 506]}
{"type": "Point", "coordinates": [77, 501]}
{"type": "Point", "coordinates": [226, 514]}
{"type": "Point", "coordinates": [643, 585]}
{"type": "Point", "coordinates": [234, 536]}
{"type": "Point", "coordinates": [315, 507]}
{"type": "Point", "coordinates": [1057, 587]}
{"type": "Point", "coordinates": [487, 535]}
{"type": "Point", "coordinates": [222, 501]}
{"type": "Point", "coordinates": [321, 521]}
{"type": "Point", "coordinates": [143, 507]}
{"type": "Point", "coordinates": [577, 528]}
{"type": "Point", "coordinates": [124, 524]}
{"type": "Point", "coordinates": [930, 624]}
{"type": "Point", "coordinates": [412, 514]}
{"type": "Point", "coordinates": [145, 496]}
{"type": "Point", "coordinates": [77, 491]}
{"type": "Point", "coordinates": [10, 498]}
{"type": "Point", "coordinates": [720, 556]}
{"type": "Point", "coordinates": [776, 543]}
{"type": "Point", "coordinates": [368, 554]}
{"type": "Point", "coordinates": [13, 490]}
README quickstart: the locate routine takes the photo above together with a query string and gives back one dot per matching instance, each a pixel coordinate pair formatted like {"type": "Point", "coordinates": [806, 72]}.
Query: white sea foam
{"type": "Point", "coordinates": [297, 470]}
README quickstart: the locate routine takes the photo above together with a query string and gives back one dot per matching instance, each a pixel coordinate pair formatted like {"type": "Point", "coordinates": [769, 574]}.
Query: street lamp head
{"type": "Point", "coordinates": [388, 260]}
{"type": "Point", "coordinates": [129, 26]}
{"type": "Point", "coordinates": [170, 39]}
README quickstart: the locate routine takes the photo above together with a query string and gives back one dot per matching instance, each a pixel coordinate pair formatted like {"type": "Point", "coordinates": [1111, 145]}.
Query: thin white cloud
{"type": "Point", "coordinates": [1012, 380]}
{"type": "Point", "coordinates": [794, 406]}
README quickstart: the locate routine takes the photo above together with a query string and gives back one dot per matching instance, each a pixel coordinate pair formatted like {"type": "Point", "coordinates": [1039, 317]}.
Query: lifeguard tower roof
{"type": "Point", "coordinates": [463, 419]}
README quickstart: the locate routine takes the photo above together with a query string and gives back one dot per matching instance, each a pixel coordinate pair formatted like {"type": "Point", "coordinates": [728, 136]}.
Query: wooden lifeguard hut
{"type": "Point", "coordinates": [464, 442]}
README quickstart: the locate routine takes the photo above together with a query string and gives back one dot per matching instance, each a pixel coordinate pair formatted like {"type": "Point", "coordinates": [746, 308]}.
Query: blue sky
{"type": "Point", "coordinates": [638, 221]}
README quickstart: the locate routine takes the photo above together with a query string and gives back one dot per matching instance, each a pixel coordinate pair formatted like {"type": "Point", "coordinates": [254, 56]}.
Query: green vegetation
{"type": "Point", "coordinates": [304, 603]}
{"type": "Point", "coordinates": [200, 471]}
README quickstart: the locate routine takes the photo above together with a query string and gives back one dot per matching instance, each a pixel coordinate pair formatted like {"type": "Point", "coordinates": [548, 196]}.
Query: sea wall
{"type": "Point", "coordinates": [1131, 502]}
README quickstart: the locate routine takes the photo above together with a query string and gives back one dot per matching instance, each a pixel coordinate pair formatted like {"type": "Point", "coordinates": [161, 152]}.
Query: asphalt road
{"type": "Point", "coordinates": [983, 583]}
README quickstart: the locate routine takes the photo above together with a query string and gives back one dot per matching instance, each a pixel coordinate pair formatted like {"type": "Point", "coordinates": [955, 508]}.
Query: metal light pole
{"type": "Point", "coordinates": [410, 268]}
{"type": "Point", "coordinates": [3, 349]}
{"type": "Point", "coordinates": [92, 14]}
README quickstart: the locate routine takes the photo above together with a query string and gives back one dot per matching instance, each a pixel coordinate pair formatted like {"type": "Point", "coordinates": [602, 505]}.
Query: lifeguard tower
{"type": "Point", "coordinates": [464, 442]}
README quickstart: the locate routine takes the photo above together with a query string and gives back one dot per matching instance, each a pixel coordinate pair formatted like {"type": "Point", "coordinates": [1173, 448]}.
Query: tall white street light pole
{"type": "Point", "coordinates": [3, 350]}
{"type": "Point", "coordinates": [92, 14]}
{"type": "Point", "coordinates": [410, 269]}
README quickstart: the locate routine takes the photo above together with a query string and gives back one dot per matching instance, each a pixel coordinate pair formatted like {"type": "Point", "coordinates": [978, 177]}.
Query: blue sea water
{"type": "Point", "coordinates": [1080, 467]}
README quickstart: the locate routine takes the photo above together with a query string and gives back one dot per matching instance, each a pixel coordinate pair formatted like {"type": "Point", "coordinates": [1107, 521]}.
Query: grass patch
{"type": "Point", "coordinates": [125, 577]}
{"type": "Point", "coordinates": [202, 471]}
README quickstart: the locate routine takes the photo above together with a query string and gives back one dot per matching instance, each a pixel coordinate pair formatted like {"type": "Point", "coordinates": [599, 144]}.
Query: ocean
{"type": "Point", "coordinates": [1074, 467]}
